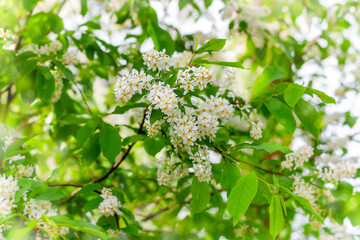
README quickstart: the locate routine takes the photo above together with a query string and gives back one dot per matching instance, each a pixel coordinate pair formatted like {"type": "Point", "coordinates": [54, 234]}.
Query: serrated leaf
{"type": "Point", "coordinates": [282, 113]}
{"type": "Point", "coordinates": [214, 44]}
{"type": "Point", "coordinates": [156, 114]}
{"type": "Point", "coordinates": [110, 142]}
{"type": "Point", "coordinates": [308, 117]}
{"type": "Point", "coordinates": [293, 93]}
{"type": "Point", "coordinates": [276, 216]}
{"type": "Point", "coordinates": [200, 192]}
{"type": "Point", "coordinates": [229, 177]}
{"type": "Point", "coordinates": [50, 194]}
{"type": "Point", "coordinates": [270, 147]}
{"type": "Point", "coordinates": [242, 195]}
{"type": "Point", "coordinates": [323, 96]}
{"type": "Point", "coordinates": [92, 204]}
{"type": "Point", "coordinates": [153, 145]}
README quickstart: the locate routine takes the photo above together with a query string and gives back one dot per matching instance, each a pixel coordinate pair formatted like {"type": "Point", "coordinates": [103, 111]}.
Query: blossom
{"type": "Point", "coordinates": [298, 157]}
{"type": "Point", "coordinates": [110, 205]}
{"type": "Point", "coordinates": [36, 208]}
{"type": "Point", "coordinates": [202, 166]}
{"type": "Point", "coordinates": [194, 76]}
{"type": "Point", "coordinates": [116, 234]}
{"type": "Point", "coordinates": [181, 59]}
{"type": "Point", "coordinates": [157, 60]}
{"type": "Point", "coordinates": [70, 58]}
{"type": "Point", "coordinates": [25, 171]}
{"type": "Point", "coordinates": [8, 188]}
{"type": "Point", "coordinates": [163, 97]}
{"type": "Point", "coordinates": [58, 76]}
{"type": "Point", "coordinates": [128, 86]}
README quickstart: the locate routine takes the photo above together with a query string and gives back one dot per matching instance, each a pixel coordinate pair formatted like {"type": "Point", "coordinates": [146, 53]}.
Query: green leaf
{"type": "Point", "coordinates": [227, 64]}
{"type": "Point", "coordinates": [88, 189]}
{"type": "Point", "coordinates": [276, 216]}
{"type": "Point", "coordinates": [323, 96]}
{"type": "Point", "coordinates": [68, 74]}
{"type": "Point", "coordinates": [92, 204]}
{"type": "Point", "coordinates": [293, 93]}
{"type": "Point", "coordinates": [270, 147]}
{"type": "Point", "coordinates": [45, 83]}
{"type": "Point", "coordinates": [86, 131]}
{"type": "Point", "coordinates": [78, 225]}
{"type": "Point", "coordinates": [54, 173]}
{"type": "Point", "coordinates": [343, 191]}
{"type": "Point", "coordinates": [133, 138]}
{"type": "Point", "coordinates": [84, 7]}
{"type": "Point", "coordinates": [156, 114]}
{"type": "Point", "coordinates": [161, 38]}
{"type": "Point", "coordinates": [127, 107]}
{"type": "Point", "coordinates": [350, 120]}
{"type": "Point", "coordinates": [28, 67]}
{"type": "Point", "coordinates": [153, 145]}
{"type": "Point", "coordinates": [214, 44]}
{"type": "Point", "coordinates": [110, 142]}
{"type": "Point", "coordinates": [229, 176]}
{"type": "Point", "coordinates": [269, 75]}
{"type": "Point", "coordinates": [282, 113]}
{"type": "Point", "coordinates": [242, 195]}
{"type": "Point", "coordinates": [22, 233]}
{"type": "Point", "coordinates": [50, 194]}
{"type": "Point", "coordinates": [29, 5]}
{"type": "Point", "coordinates": [200, 192]}
{"type": "Point", "coordinates": [15, 145]}
{"type": "Point", "coordinates": [308, 116]}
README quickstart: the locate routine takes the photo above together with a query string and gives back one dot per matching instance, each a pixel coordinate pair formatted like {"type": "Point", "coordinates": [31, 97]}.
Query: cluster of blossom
{"type": "Point", "coordinates": [245, 230]}
{"type": "Point", "coordinates": [255, 124]}
{"type": "Point", "coordinates": [201, 165]}
{"type": "Point", "coordinates": [169, 170]}
{"type": "Point", "coordinates": [336, 143]}
{"type": "Point", "coordinates": [152, 129]}
{"type": "Point", "coordinates": [227, 83]}
{"type": "Point", "coordinates": [8, 188]}
{"type": "Point", "coordinates": [335, 171]}
{"type": "Point", "coordinates": [181, 60]}
{"type": "Point", "coordinates": [24, 171]}
{"type": "Point", "coordinates": [5, 34]}
{"type": "Point", "coordinates": [58, 76]}
{"type": "Point", "coordinates": [70, 58]}
{"type": "Point", "coordinates": [251, 14]}
{"type": "Point", "coordinates": [301, 155]}
{"type": "Point", "coordinates": [157, 60]}
{"type": "Point", "coordinates": [305, 190]}
{"type": "Point", "coordinates": [110, 205]}
{"type": "Point", "coordinates": [194, 76]}
{"type": "Point", "coordinates": [330, 118]}
{"type": "Point", "coordinates": [163, 97]}
{"type": "Point", "coordinates": [128, 86]}
{"type": "Point", "coordinates": [36, 208]}
{"type": "Point", "coordinates": [117, 235]}
{"type": "Point", "coordinates": [60, 231]}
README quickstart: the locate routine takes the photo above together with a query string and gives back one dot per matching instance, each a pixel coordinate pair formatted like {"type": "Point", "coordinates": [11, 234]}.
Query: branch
{"type": "Point", "coordinates": [112, 169]}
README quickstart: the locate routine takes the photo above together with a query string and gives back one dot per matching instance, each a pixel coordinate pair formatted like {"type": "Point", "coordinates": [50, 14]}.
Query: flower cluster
{"type": "Point", "coordinates": [305, 190]}
{"type": "Point", "coordinates": [117, 235]}
{"type": "Point", "coordinates": [194, 76]}
{"type": "Point", "coordinates": [157, 60]}
{"type": "Point", "coordinates": [58, 76]}
{"type": "Point", "coordinates": [129, 85]}
{"type": "Point", "coordinates": [36, 208]}
{"type": "Point", "coordinates": [298, 157]}
{"type": "Point", "coordinates": [202, 166]}
{"type": "Point", "coordinates": [333, 168]}
{"type": "Point", "coordinates": [255, 125]}
{"type": "Point", "coordinates": [70, 58]}
{"type": "Point", "coordinates": [181, 59]}
{"type": "Point", "coordinates": [24, 171]}
{"type": "Point", "coordinates": [169, 170]}
{"type": "Point", "coordinates": [8, 188]}
{"type": "Point", "coordinates": [163, 97]}
{"type": "Point", "coordinates": [110, 205]}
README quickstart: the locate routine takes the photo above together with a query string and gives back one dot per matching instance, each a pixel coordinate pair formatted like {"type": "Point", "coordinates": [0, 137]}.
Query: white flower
{"type": "Point", "coordinates": [157, 60]}
{"type": "Point", "coordinates": [194, 76]}
{"type": "Point", "coordinates": [298, 157]}
{"type": "Point", "coordinates": [182, 59]}
{"type": "Point", "coordinates": [70, 58]}
{"type": "Point", "coordinates": [116, 234]}
{"type": "Point", "coordinates": [24, 171]}
{"type": "Point", "coordinates": [163, 97]}
{"type": "Point", "coordinates": [110, 205]}
{"type": "Point", "coordinates": [202, 166]}
{"type": "Point", "coordinates": [129, 85]}
{"type": "Point", "coordinates": [58, 76]}
{"type": "Point", "coordinates": [36, 208]}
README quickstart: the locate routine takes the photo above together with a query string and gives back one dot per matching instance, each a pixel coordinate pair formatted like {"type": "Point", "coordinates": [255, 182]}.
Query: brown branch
{"type": "Point", "coordinates": [147, 218]}
{"type": "Point", "coordinates": [112, 169]}
{"type": "Point", "coordinates": [172, 146]}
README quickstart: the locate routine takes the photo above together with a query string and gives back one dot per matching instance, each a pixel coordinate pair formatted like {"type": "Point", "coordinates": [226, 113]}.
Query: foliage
{"type": "Point", "coordinates": [101, 139]}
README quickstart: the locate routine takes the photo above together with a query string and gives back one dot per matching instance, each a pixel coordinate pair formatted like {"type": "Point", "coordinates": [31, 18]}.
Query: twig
{"type": "Point", "coordinates": [84, 99]}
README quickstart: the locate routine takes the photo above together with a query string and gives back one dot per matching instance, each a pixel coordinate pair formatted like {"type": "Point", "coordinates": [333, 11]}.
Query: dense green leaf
{"type": "Point", "coordinates": [293, 93]}
{"type": "Point", "coordinates": [226, 64]}
{"type": "Point", "coordinates": [214, 44]}
{"type": "Point", "coordinates": [276, 216]}
{"type": "Point", "coordinates": [242, 195]}
{"type": "Point", "coordinates": [153, 145]}
{"type": "Point", "coordinates": [325, 98]}
{"type": "Point", "coordinates": [110, 141]}
{"type": "Point", "coordinates": [50, 194]}
{"type": "Point", "coordinates": [269, 147]}
{"type": "Point", "coordinates": [282, 113]}
{"type": "Point", "coordinates": [93, 203]}
{"type": "Point", "coordinates": [308, 116]}
{"type": "Point", "coordinates": [156, 114]}
{"type": "Point", "coordinates": [264, 81]}
{"type": "Point", "coordinates": [200, 192]}
{"type": "Point", "coordinates": [45, 83]}
{"type": "Point", "coordinates": [84, 7]}
{"type": "Point", "coordinates": [229, 176]}
{"type": "Point", "coordinates": [127, 107]}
